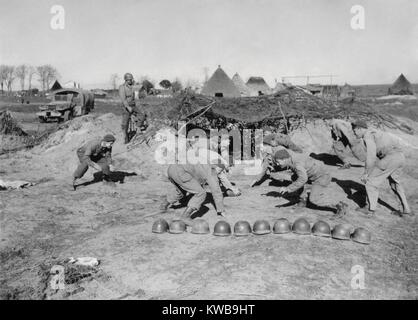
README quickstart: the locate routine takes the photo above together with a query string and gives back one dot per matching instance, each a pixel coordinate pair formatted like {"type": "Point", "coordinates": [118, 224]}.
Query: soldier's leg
{"type": "Point", "coordinates": [81, 170]}
{"type": "Point", "coordinates": [394, 182]}
{"type": "Point", "coordinates": [125, 125]}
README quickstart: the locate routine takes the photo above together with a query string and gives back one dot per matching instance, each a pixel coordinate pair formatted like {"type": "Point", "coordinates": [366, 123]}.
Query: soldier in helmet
{"type": "Point", "coordinates": [313, 171]}
{"type": "Point", "coordinates": [127, 96]}
{"type": "Point", "coordinates": [384, 161]}
{"type": "Point", "coordinates": [190, 178]}
{"type": "Point", "coordinates": [343, 140]}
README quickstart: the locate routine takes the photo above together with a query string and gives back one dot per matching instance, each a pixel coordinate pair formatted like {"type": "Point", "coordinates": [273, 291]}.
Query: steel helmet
{"type": "Point", "coordinates": [261, 227]}
{"type": "Point", "coordinates": [160, 226]}
{"type": "Point", "coordinates": [361, 235]}
{"type": "Point", "coordinates": [128, 76]}
{"type": "Point", "coordinates": [200, 226]}
{"type": "Point", "coordinates": [281, 226]}
{"type": "Point", "coordinates": [301, 226]}
{"type": "Point", "coordinates": [177, 226]}
{"type": "Point", "coordinates": [341, 232]}
{"type": "Point", "coordinates": [322, 229]}
{"type": "Point", "coordinates": [222, 229]}
{"type": "Point", "coordinates": [242, 228]}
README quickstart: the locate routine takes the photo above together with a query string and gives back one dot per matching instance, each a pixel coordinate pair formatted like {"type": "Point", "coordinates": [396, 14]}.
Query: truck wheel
{"type": "Point", "coordinates": [68, 115]}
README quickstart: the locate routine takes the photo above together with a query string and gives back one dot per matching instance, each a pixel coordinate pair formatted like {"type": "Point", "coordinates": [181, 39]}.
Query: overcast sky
{"type": "Point", "coordinates": [165, 39]}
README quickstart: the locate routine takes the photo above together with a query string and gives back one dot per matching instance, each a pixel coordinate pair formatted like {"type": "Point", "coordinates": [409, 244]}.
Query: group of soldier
{"type": "Point", "coordinates": [381, 153]}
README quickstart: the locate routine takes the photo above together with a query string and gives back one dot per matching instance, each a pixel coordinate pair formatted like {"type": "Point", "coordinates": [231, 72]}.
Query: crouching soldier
{"type": "Point", "coordinates": [190, 178]}
{"type": "Point", "coordinates": [270, 144]}
{"type": "Point", "coordinates": [98, 155]}
{"type": "Point", "coordinates": [344, 140]}
{"type": "Point", "coordinates": [384, 161]}
{"type": "Point", "coordinates": [313, 171]}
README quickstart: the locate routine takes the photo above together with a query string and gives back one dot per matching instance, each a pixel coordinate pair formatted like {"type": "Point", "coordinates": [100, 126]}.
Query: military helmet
{"type": "Point", "coordinates": [261, 227]}
{"type": "Point", "coordinates": [281, 226]}
{"type": "Point", "coordinates": [200, 226]}
{"type": "Point", "coordinates": [222, 229]}
{"type": "Point", "coordinates": [177, 226]}
{"type": "Point", "coordinates": [128, 76]}
{"type": "Point", "coordinates": [160, 226]}
{"type": "Point", "coordinates": [322, 229]}
{"type": "Point", "coordinates": [341, 232]}
{"type": "Point", "coordinates": [242, 228]}
{"type": "Point", "coordinates": [361, 235]}
{"type": "Point", "coordinates": [301, 226]}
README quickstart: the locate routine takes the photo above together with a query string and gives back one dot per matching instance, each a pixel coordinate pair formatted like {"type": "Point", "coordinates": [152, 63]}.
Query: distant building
{"type": "Point", "coordinates": [98, 93]}
{"type": "Point", "coordinates": [56, 86]}
{"type": "Point", "coordinates": [401, 87]}
{"type": "Point", "coordinates": [220, 85]}
{"type": "Point", "coordinates": [71, 85]}
{"type": "Point", "coordinates": [314, 88]}
{"type": "Point", "coordinates": [258, 86]}
{"type": "Point", "coordinates": [241, 86]}
{"type": "Point", "coordinates": [330, 91]}
{"type": "Point", "coordinates": [347, 91]}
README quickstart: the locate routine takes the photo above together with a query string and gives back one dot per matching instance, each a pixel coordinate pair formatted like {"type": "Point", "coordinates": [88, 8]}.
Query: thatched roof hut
{"type": "Point", "coordinates": [220, 85]}
{"type": "Point", "coordinates": [258, 86]}
{"type": "Point", "coordinates": [401, 87]}
{"type": "Point", "coordinates": [241, 86]}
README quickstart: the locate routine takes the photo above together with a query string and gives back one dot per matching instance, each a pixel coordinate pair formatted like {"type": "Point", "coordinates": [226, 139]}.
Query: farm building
{"type": "Point", "coordinates": [401, 87]}
{"type": "Point", "coordinates": [258, 86]}
{"type": "Point", "coordinates": [56, 86]}
{"type": "Point", "coordinates": [347, 91]}
{"type": "Point", "coordinates": [314, 88]}
{"type": "Point", "coordinates": [240, 84]}
{"type": "Point", "coordinates": [220, 85]}
{"type": "Point", "coordinates": [330, 91]}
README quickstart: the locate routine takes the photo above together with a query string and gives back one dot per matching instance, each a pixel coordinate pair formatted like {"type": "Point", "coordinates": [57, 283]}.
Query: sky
{"type": "Point", "coordinates": [167, 39]}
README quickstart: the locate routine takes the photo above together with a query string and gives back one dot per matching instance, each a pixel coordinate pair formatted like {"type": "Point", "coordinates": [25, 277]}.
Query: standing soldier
{"type": "Point", "coordinates": [315, 172]}
{"type": "Point", "coordinates": [190, 178]}
{"type": "Point", "coordinates": [343, 139]}
{"type": "Point", "coordinates": [127, 96]}
{"type": "Point", "coordinates": [96, 154]}
{"type": "Point", "coordinates": [384, 160]}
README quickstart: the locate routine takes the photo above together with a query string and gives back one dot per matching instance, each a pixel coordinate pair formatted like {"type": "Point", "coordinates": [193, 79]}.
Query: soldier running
{"type": "Point", "coordinates": [127, 96]}
{"type": "Point", "coordinates": [385, 160]}
{"type": "Point", "coordinates": [313, 171]}
{"type": "Point", "coordinates": [270, 144]}
{"type": "Point", "coordinates": [190, 178]}
{"type": "Point", "coordinates": [343, 139]}
{"type": "Point", "coordinates": [98, 155]}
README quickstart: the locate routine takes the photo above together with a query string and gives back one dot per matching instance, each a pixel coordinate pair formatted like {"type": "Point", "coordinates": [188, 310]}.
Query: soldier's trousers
{"type": "Point", "coordinates": [182, 183]}
{"type": "Point", "coordinates": [83, 166]}
{"type": "Point", "coordinates": [355, 146]}
{"type": "Point", "coordinates": [126, 116]}
{"type": "Point", "coordinates": [388, 168]}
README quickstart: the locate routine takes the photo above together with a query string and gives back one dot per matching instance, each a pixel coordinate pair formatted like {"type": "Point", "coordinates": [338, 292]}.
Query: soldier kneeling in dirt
{"type": "Point", "coordinates": [304, 171]}
{"type": "Point", "coordinates": [343, 139]}
{"type": "Point", "coordinates": [191, 178]}
{"type": "Point", "coordinates": [98, 155]}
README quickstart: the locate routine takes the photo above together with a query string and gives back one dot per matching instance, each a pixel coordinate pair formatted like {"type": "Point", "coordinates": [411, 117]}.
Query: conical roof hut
{"type": "Point", "coordinates": [401, 87]}
{"type": "Point", "coordinates": [220, 85]}
{"type": "Point", "coordinates": [258, 86]}
{"type": "Point", "coordinates": [240, 84]}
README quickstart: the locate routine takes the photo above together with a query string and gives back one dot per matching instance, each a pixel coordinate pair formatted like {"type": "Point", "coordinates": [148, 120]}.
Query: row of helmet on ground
{"type": "Point", "coordinates": [281, 226]}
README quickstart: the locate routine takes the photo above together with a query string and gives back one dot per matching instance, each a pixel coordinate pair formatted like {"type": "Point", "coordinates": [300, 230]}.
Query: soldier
{"type": "Point", "coordinates": [127, 96]}
{"type": "Point", "coordinates": [343, 139]}
{"type": "Point", "coordinates": [385, 160]}
{"type": "Point", "coordinates": [270, 144]}
{"type": "Point", "coordinates": [313, 171]}
{"type": "Point", "coordinates": [190, 178]}
{"type": "Point", "coordinates": [98, 155]}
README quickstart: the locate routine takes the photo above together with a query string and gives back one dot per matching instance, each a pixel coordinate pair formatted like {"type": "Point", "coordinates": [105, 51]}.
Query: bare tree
{"type": "Point", "coordinates": [46, 74]}
{"type": "Point", "coordinates": [3, 73]}
{"type": "Point", "coordinates": [21, 72]}
{"type": "Point", "coordinates": [114, 80]}
{"type": "Point", "coordinates": [7, 76]}
{"type": "Point", "coordinates": [31, 72]}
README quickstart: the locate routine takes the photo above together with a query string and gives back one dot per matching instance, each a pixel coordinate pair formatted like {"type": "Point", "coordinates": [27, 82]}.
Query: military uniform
{"type": "Point", "coordinates": [343, 139]}
{"type": "Point", "coordinates": [93, 151]}
{"type": "Point", "coordinates": [190, 178]}
{"type": "Point", "coordinates": [385, 160]}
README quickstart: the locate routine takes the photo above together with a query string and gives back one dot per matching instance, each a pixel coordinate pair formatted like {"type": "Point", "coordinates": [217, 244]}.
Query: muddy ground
{"type": "Point", "coordinates": [47, 223]}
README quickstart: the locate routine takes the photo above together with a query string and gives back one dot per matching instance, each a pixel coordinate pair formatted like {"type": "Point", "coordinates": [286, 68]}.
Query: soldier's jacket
{"type": "Point", "coordinates": [379, 144]}
{"type": "Point", "coordinates": [204, 174]}
{"type": "Point", "coordinates": [342, 129]}
{"type": "Point", "coordinates": [93, 149]}
{"type": "Point", "coordinates": [127, 95]}
{"type": "Point", "coordinates": [307, 170]}
{"type": "Point", "coordinates": [278, 139]}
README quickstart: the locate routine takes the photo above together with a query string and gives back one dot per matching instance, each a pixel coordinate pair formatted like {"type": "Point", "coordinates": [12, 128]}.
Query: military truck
{"type": "Point", "coordinates": [66, 104]}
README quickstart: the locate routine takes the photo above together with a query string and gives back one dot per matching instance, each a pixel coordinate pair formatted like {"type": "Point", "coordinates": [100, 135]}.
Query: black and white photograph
{"type": "Point", "coordinates": [219, 152]}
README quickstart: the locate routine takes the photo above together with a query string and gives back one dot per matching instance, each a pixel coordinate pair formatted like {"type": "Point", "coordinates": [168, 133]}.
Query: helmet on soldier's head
{"type": "Point", "coordinates": [222, 229]}
{"type": "Point", "coordinates": [160, 226]}
{"type": "Point", "coordinates": [261, 227]}
{"type": "Point", "coordinates": [242, 228]}
{"type": "Point", "coordinates": [341, 232]}
{"type": "Point", "coordinates": [177, 226]}
{"type": "Point", "coordinates": [301, 226]}
{"type": "Point", "coordinates": [200, 226]}
{"type": "Point", "coordinates": [281, 226]}
{"type": "Point", "coordinates": [361, 235]}
{"type": "Point", "coordinates": [322, 229]}
{"type": "Point", "coordinates": [128, 76]}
